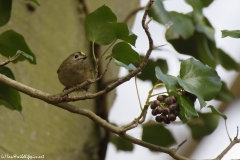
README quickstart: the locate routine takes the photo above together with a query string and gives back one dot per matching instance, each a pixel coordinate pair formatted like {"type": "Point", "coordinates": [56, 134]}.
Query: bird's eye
{"type": "Point", "coordinates": [76, 56]}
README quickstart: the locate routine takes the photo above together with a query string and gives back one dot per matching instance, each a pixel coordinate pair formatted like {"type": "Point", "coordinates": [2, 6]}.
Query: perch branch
{"type": "Point", "coordinates": [11, 59]}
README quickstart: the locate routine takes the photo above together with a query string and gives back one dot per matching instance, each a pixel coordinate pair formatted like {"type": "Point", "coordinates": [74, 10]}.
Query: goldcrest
{"type": "Point", "coordinates": [74, 70]}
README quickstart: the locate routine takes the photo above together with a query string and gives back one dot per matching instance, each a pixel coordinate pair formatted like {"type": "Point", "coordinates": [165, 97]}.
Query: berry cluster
{"type": "Point", "coordinates": [166, 109]}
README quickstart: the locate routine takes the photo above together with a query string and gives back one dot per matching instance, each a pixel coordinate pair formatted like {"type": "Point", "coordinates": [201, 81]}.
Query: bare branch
{"type": "Point", "coordinates": [181, 144]}
{"type": "Point", "coordinates": [237, 133]}
{"type": "Point", "coordinates": [227, 131]}
{"type": "Point", "coordinates": [235, 141]}
{"type": "Point", "coordinates": [11, 59]}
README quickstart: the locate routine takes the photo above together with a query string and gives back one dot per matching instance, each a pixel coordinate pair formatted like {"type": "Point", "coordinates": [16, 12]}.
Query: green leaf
{"type": "Point", "coordinates": [233, 34]}
{"type": "Point", "coordinates": [158, 12]}
{"type": "Point", "coordinates": [97, 26]}
{"type": "Point", "coordinates": [182, 25]}
{"type": "Point", "coordinates": [129, 67]}
{"type": "Point", "coordinates": [124, 53]}
{"type": "Point", "coordinates": [197, 46]}
{"type": "Point", "coordinates": [25, 54]}
{"type": "Point", "coordinates": [199, 5]}
{"type": "Point", "coordinates": [226, 61]}
{"type": "Point", "coordinates": [191, 89]}
{"type": "Point", "coordinates": [9, 97]}
{"type": "Point", "coordinates": [122, 32]}
{"type": "Point", "coordinates": [187, 108]}
{"type": "Point", "coordinates": [148, 73]}
{"type": "Point", "coordinates": [11, 42]}
{"type": "Point", "coordinates": [121, 144]}
{"type": "Point", "coordinates": [34, 1]}
{"type": "Point", "coordinates": [217, 112]}
{"type": "Point", "coordinates": [199, 80]}
{"type": "Point", "coordinates": [157, 134]}
{"type": "Point", "coordinates": [5, 11]}
{"type": "Point", "coordinates": [225, 94]}
{"type": "Point", "coordinates": [203, 125]}
{"type": "Point", "coordinates": [170, 82]}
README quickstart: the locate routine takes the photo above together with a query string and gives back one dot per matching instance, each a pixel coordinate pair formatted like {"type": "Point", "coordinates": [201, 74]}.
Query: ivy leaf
{"type": "Point", "coordinates": [226, 61]}
{"type": "Point", "coordinates": [225, 94]}
{"type": "Point", "coordinates": [121, 144]}
{"type": "Point", "coordinates": [97, 26]}
{"type": "Point", "coordinates": [122, 32]}
{"type": "Point", "coordinates": [199, 5]}
{"type": "Point", "coordinates": [186, 109]}
{"type": "Point", "coordinates": [124, 53]}
{"type": "Point", "coordinates": [9, 97]}
{"type": "Point", "coordinates": [217, 112]}
{"type": "Point", "coordinates": [199, 80]}
{"type": "Point", "coordinates": [148, 73]}
{"type": "Point", "coordinates": [157, 134]}
{"type": "Point", "coordinates": [129, 67]}
{"type": "Point", "coordinates": [203, 125]}
{"type": "Point", "coordinates": [5, 11]}
{"type": "Point", "coordinates": [170, 82]}
{"type": "Point", "coordinates": [11, 42]}
{"type": "Point", "coordinates": [197, 46]}
{"type": "Point", "coordinates": [233, 34]}
{"type": "Point", "coordinates": [191, 89]}
{"type": "Point", "coordinates": [158, 12]}
{"type": "Point", "coordinates": [182, 26]}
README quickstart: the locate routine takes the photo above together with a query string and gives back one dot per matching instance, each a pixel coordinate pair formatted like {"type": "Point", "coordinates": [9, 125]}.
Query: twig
{"type": "Point", "coordinates": [148, 22]}
{"type": "Point", "coordinates": [159, 46]}
{"type": "Point", "coordinates": [235, 141]}
{"type": "Point", "coordinates": [237, 133]}
{"type": "Point", "coordinates": [135, 78]}
{"type": "Point", "coordinates": [227, 131]}
{"type": "Point", "coordinates": [11, 59]}
{"type": "Point", "coordinates": [181, 145]}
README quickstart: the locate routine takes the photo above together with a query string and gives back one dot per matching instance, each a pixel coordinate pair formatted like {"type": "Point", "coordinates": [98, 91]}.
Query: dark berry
{"type": "Point", "coordinates": [173, 107]}
{"type": "Point", "coordinates": [176, 113]}
{"type": "Point", "coordinates": [174, 99]}
{"type": "Point", "coordinates": [160, 98]}
{"type": "Point", "coordinates": [158, 118]}
{"type": "Point", "coordinates": [159, 110]}
{"type": "Point", "coordinates": [157, 103]}
{"type": "Point", "coordinates": [162, 117]}
{"type": "Point", "coordinates": [152, 106]}
{"type": "Point", "coordinates": [154, 112]}
{"type": "Point", "coordinates": [171, 117]}
{"type": "Point", "coordinates": [167, 121]}
{"type": "Point", "coordinates": [168, 101]}
{"type": "Point", "coordinates": [165, 111]}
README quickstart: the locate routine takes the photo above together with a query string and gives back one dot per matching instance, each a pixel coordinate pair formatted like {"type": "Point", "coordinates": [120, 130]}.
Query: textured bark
{"type": "Point", "coordinates": [53, 31]}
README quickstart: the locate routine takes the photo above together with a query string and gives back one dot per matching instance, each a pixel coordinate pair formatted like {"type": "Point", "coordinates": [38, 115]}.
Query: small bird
{"type": "Point", "coordinates": [74, 70]}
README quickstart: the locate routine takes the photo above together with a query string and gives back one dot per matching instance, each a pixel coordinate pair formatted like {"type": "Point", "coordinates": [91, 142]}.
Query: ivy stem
{"type": "Point", "coordinates": [135, 78]}
{"type": "Point", "coordinates": [107, 49]}
{"type": "Point", "coordinates": [157, 94]}
{"type": "Point", "coordinates": [94, 56]}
